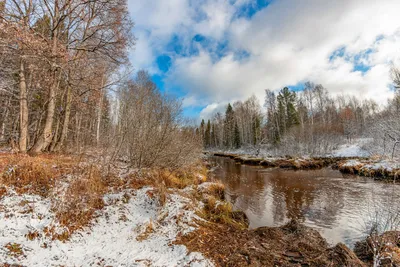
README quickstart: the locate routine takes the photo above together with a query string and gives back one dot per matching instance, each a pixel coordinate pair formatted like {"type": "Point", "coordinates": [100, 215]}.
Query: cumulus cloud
{"type": "Point", "coordinates": [286, 43]}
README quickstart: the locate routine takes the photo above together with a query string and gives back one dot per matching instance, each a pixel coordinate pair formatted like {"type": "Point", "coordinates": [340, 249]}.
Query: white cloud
{"type": "Point", "coordinates": [212, 109]}
{"type": "Point", "coordinates": [288, 42]}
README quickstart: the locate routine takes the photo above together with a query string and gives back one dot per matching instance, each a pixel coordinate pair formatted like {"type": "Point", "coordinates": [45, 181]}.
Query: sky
{"type": "Point", "coordinates": [212, 52]}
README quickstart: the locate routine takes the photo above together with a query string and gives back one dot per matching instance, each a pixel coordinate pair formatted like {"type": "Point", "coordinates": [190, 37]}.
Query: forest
{"type": "Point", "coordinates": [99, 166]}
{"type": "Point", "coordinates": [306, 122]}
{"type": "Point", "coordinates": [66, 85]}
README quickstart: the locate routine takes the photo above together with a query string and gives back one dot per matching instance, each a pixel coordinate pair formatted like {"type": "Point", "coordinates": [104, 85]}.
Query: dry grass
{"type": "Point", "coordinates": [289, 245]}
{"type": "Point", "coordinates": [149, 229]}
{"type": "Point", "coordinates": [32, 235]}
{"type": "Point", "coordinates": [216, 189]}
{"type": "Point", "coordinates": [14, 249]}
{"type": "Point", "coordinates": [76, 190]}
{"type": "Point", "coordinates": [221, 212]}
{"type": "Point", "coordinates": [83, 197]}
{"type": "Point", "coordinates": [34, 175]}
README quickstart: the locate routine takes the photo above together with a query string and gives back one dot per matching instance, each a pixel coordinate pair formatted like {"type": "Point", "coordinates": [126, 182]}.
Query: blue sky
{"type": "Point", "coordinates": [218, 48]}
{"type": "Point", "coordinates": [211, 52]}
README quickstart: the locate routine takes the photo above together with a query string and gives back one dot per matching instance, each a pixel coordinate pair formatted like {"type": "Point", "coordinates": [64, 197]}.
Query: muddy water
{"type": "Point", "coordinates": [341, 207]}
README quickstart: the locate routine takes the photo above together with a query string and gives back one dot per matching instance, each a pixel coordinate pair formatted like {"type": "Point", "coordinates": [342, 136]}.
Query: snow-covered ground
{"type": "Point", "coordinates": [134, 232]}
{"type": "Point", "coordinates": [355, 148]}
{"type": "Point", "coordinates": [350, 150]}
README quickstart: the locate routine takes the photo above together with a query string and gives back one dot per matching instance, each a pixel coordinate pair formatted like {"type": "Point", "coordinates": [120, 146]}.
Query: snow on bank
{"type": "Point", "coordinates": [346, 150]}
{"type": "Point", "coordinates": [120, 236]}
{"type": "Point", "coordinates": [350, 150]}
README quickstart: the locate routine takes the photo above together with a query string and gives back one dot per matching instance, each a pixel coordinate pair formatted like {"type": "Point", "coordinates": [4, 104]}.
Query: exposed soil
{"type": "Point", "coordinates": [289, 245]}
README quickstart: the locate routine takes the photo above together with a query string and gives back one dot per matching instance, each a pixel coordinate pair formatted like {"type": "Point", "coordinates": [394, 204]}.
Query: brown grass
{"type": "Point", "coordinates": [35, 175]}
{"type": "Point", "coordinates": [149, 229]}
{"type": "Point", "coordinates": [83, 198]}
{"type": "Point", "coordinates": [76, 205]}
{"type": "Point", "coordinates": [14, 249]}
{"type": "Point", "coordinates": [289, 245]}
{"type": "Point", "coordinates": [221, 212]}
{"type": "Point", "coordinates": [216, 189]}
{"type": "Point", "coordinates": [32, 235]}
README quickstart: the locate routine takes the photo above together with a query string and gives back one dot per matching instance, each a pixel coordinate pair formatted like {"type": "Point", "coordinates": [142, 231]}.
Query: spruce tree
{"type": "Point", "coordinates": [229, 127]}
{"type": "Point", "coordinates": [287, 113]}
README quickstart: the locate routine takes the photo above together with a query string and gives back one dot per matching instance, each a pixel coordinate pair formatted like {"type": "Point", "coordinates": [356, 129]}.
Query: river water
{"type": "Point", "coordinates": [341, 207]}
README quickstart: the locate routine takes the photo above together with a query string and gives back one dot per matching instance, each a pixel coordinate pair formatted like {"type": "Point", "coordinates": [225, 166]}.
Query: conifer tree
{"type": "Point", "coordinates": [229, 127]}
{"type": "Point", "coordinates": [287, 112]}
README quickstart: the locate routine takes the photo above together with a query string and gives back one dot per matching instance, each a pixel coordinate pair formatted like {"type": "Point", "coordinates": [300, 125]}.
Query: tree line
{"type": "Point", "coordinates": [66, 85]}
{"type": "Point", "coordinates": [58, 58]}
{"type": "Point", "coordinates": [308, 121]}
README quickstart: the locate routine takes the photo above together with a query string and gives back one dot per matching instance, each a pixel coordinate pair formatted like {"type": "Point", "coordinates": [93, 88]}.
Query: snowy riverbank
{"type": "Point", "coordinates": [129, 231]}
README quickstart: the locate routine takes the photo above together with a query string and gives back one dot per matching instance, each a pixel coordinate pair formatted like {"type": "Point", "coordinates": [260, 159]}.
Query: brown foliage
{"type": "Point", "coordinates": [84, 196]}
{"type": "Point", "coordinates": [289, 245]}
{"type": "Point", "coordinates": [35, 175]}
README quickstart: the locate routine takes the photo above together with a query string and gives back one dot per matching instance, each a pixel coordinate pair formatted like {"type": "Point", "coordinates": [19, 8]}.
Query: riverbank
{"type": "Point", "coordinates": [285, 162]}
{"type": "Point", "coordinates": [76, 211]}
{"type": "Point", "coordinates": [60, 210]}
{"type": "Point", "coordinates": [380, 169]}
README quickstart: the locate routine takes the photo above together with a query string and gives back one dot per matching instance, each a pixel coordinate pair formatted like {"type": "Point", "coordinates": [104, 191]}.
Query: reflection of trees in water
{"type": "Point", "coordinates": [290, 194]}
{"type": "Point", "coordinates": [278, 209]}
{"type": "Point", "coordinates": [294, 189]}
{"type": "Point", "coordinates": [317, 196]}
{"type": "Point", "coordinates": [244, 184]}
{"type": "Point", "coordinates": [326, 207]}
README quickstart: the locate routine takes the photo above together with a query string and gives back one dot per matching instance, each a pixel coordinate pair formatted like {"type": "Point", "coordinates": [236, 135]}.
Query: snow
{"type": "Point", "coordinates": [350, 150]}
{"type": "Point", "coordinates": [111, 239]}
{"type": "Point", "coordinates": [355, 148]}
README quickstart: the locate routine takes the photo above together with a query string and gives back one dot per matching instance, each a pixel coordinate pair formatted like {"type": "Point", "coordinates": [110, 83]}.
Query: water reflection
{"type": "Point", "coordinates": [338, 206]}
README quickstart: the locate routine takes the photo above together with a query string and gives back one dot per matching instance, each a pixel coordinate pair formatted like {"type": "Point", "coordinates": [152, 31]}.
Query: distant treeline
{"type": "Point", "coordinates": [307, 121]}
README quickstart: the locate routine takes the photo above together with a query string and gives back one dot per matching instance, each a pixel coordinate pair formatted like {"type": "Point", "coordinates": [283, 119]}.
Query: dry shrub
{"type": "Point", "coordinates": [32, 235]}
{"type": "Point", "coordinates": [3, 191]}
{"type": "Point", "coordinates": [384, 249]}
{"type": "Point", "coordinates": [216, 189]}
{"type": "Point", "coordinates": [82, 199]}
{"type": "Point", "coordinates": [221, 212]}
{"type": "Point", "coordinates": [149, 229]}
{"type": "Point", "coordinates": [182, 177]}
{"type": "Point", "coordinates": [30, 177]}
{"type": "Point", "coordinates": [35, 175]}
{"type": "Point", "coordinates": [14, 249]}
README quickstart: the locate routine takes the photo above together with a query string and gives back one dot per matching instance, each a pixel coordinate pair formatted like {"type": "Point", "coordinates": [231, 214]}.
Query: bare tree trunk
{"type": "Point", "coordinates": [5, 118]}
{"type": "Point", "coordinates": [23, 113]}
{"type": "Point", "coordinates": [44, 140]}
{"type": "Point", "coordinates": [99, 111]}
{"type": "Point", "coordinates": [46, 137]}
{"type": "Point", "coordinates": [64, 131]}
{"type": "Point", "coordinates": [55, 137]}
{"type": "Point", "coordinates": [78, 118]}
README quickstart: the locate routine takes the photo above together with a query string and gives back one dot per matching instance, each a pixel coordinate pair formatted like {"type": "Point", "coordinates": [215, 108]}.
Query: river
{"type": "Point", "coordinates": [341, 207]}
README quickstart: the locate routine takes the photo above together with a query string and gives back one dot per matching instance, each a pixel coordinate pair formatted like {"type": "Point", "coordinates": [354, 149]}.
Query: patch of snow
{"type": "Point", "coordinates": [351, 163]}
{"type": "Point", "coordinates": [350, 150]}
{"type": "Point", "coordinates": [112, 238]}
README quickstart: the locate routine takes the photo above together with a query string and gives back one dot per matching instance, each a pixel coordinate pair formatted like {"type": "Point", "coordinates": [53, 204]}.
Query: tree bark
{"type": "Point", "coordinates": [64, 131]}
{"type": "Point", "coordinates": [45, 139]}
{"type": "Point", "coordinates": [23, 113]}
{"type": "Point", "coordinates": [99, 111]}
{"type": "Point", "coordinates": [5, 119]}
